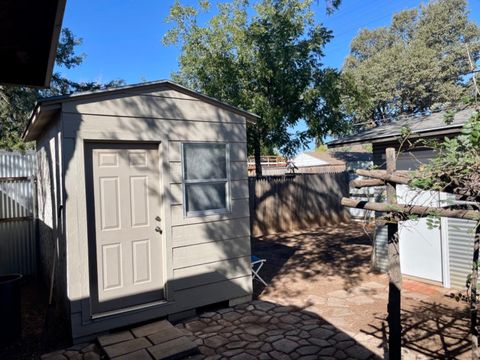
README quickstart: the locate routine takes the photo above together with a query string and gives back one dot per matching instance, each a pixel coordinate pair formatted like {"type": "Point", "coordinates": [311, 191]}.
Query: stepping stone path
{"type": "Point", "coordinates": [258, 330]}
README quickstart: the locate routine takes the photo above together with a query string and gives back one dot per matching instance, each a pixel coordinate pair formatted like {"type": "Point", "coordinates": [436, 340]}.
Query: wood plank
{"type": "Point", "coordinates": [93, 126]}
{"type": "Point", "coordinates": [212, 231]}
{"type": "Point", "coordinates": [239, 210]}
{"type": "Point", "coordinates": [213, 293]}
{"type": "Point", "coordinates": [200, 275]}
{"type": "Point", "coordinates": [210, 252]}
{"type": "Point", "coordinates": [152, 106]}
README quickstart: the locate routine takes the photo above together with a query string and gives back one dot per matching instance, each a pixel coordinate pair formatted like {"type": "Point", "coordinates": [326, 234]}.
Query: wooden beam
{"type": "Point", "coordinates": [394, 273]}
{"type": "Point", "coordinates": [360, 183]}
{"type": "Point", "coordinates": [395, 177]}
{"type": "Point", "coordinates": [412, 209]}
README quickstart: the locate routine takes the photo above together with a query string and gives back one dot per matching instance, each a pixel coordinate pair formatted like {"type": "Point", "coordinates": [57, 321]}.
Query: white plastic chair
{"type": "Point", "coordinates": [257, 264]}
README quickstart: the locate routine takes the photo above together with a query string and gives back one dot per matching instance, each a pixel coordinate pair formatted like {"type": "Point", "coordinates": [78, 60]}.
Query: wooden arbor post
{"type": "Point", "coordinates": [394, 272]}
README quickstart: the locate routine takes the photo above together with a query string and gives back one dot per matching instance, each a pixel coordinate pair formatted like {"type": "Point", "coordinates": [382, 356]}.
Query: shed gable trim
{"type": "Point", "coordinates": [129, 90]}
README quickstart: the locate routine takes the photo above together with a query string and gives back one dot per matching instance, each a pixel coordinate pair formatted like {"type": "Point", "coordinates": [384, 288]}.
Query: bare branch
{"type": "Point", "coordinates": [412, 209]}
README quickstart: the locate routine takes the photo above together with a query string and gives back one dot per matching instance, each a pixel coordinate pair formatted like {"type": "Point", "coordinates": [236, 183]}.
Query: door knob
{"type": "Point", "coordinates": [158, 229]}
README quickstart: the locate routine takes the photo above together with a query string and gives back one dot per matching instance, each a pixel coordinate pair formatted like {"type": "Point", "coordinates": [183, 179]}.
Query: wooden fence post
{"type": "Point", "coordinates": [394, 272]}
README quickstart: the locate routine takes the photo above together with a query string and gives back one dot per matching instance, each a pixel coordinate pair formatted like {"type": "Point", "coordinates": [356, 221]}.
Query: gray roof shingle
{"type": "Point", "coordinates": [420, 125]}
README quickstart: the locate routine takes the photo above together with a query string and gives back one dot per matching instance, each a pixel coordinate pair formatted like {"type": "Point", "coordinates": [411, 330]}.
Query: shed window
{"type": "Point", "coordinates": [206, 178]}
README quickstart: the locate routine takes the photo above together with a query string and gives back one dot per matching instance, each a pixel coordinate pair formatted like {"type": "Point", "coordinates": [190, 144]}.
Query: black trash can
{"type": "Point", "coordinates": [10, 308]}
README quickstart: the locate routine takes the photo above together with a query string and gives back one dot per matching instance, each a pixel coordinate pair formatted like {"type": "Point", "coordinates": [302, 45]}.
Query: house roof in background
{"type": "Point", "coordinates": [28, 42]}
{"type": "Point", "coordinates": [422, 125]}
{"type": "Point", "coordinates": [325, 156]}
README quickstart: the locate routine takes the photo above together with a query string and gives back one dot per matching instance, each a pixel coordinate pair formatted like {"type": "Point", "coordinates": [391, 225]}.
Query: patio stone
{"type": "Point", "coordinates": [152, 328]}
{"type": "Point", "coordinates": [215, 341]}
{"type": "Point", "coordinates": [195, 326]}
{"type": "Point", "coordinates": [322, 333]}
{"type": "Point", "coordinates": [308, 350]}
{"type": "Point", "coordinates": [137, 355]}
{"type": "Point", "coordinates": [285, 345]}
{"type": "Point", "coordinates": [169, 333]}
{"type": "Point", "coordinates": [255, 330]}
{"type": "Point", "coordinates": [263, 305]}
{"type": "Point", "coordinates": [236, 344]}
{"type": "Point", "coordinates": [358, 352]}
{"type": "Point", "coordinates": [179, 348]}
{"type": "Point", "coordinates": [91, 355]}
{"type": "Point", "coordinates": [114, 338]}
{"type": "Point", "coordinates": [126, 347]}
{"type": "Point", "coordinates": [244, 356]}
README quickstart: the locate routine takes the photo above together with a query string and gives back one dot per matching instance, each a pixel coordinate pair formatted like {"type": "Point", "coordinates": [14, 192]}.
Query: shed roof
{"type": "Point", "coordinates": [49, 104]}
{"type": "Point", "coordinates": [420, 125]}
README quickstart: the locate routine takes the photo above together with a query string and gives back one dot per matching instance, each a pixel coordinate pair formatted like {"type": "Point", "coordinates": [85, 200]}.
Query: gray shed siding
{"type": "Point", "coordinates": [51, 241]}
{"type": "Point", "coordinates": [407, 159]}
{"type": "Point", "coordinates": [208, 257]}
{"type": "Point", "coordinates": [460, 246]}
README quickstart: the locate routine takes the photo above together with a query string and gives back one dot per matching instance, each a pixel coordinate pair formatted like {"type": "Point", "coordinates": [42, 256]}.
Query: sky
{"type": "Point", "coordinates": [122, 38]}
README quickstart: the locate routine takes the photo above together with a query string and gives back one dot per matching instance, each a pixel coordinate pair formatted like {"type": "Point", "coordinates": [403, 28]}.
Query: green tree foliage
{"type": "Point", "coordinates": [413, 65]}
{"type": "Point", "coordinates": [16, 102]}
{"type": "Point", "coordinates": [456, 165]}
{"type": "Point", "coordinates": [263, 57]}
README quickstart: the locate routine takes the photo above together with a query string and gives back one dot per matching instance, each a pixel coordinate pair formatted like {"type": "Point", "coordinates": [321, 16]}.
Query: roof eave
{"type": "Point", "coordinates": [446, 130]}
{"type": "Point", "coordinates": [55, 39]}
{"type": "Point", "coordinates": [39, 118]}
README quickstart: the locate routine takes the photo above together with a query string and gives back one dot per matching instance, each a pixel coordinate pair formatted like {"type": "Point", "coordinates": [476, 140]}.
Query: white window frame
{"type": "Point", "coordinates": [186, 182]}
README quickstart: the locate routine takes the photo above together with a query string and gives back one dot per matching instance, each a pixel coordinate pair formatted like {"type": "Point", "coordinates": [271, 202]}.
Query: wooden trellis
{"type": "Point", "coordinates": [389, 178]}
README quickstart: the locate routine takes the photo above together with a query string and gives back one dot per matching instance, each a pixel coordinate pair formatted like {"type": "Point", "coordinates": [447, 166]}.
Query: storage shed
{"type": "Point", "coordinates": [143, 203]}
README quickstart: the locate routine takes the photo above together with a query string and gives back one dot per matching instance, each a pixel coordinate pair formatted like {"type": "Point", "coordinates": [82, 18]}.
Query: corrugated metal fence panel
{"type": "Point", "coordinates": [380, 262]}
{"type": "Point", "coordinates": [17, 226]}
{"type": "Point", "coordinates": [460, 243]}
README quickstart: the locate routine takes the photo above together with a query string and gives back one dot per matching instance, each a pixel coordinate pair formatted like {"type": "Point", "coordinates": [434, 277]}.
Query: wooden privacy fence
{"type": "Point", "coordinates": [17, 210]}
{"type": "Point", "coordinates": [294, 202]}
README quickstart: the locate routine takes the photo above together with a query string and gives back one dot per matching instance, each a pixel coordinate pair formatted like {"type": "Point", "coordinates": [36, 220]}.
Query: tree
{"type": "Point", "coordinates": [264, 58]}
{"type": "Point", "coordinates": [417, 63]}
{"type": "Point", "coordinates": [16, 102]}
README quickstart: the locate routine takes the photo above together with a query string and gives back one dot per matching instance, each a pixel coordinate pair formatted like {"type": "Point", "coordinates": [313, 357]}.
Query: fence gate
{"type": "Point", "coordinates": [17, 213]}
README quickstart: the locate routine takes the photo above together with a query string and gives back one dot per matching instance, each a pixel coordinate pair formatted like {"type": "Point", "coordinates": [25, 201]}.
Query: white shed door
{"type": "Point", "coordinates": [420, 247]}
{"type": "Point", "coordinates": [127, 245]}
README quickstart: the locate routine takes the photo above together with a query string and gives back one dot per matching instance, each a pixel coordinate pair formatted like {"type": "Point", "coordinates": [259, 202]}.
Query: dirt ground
{"type": "Point", "coordinates": [327, 271]}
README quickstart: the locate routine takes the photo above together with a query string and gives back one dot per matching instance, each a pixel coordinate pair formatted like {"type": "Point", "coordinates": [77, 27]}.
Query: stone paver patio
{"type": "Point", "coordinates": [257, 330]}
{"type": "Point", "coordinates": [322, 302]}
{"type": "Point", "coordinates": [327, 272]}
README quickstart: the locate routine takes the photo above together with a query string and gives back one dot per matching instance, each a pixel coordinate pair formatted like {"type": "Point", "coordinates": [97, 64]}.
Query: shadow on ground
{"type": "Point", "coordinates": [432, 329]}
{"type": "Point", "coordinates": [331, 267]}
{"type": "Point", "coordinates": [343, 251]}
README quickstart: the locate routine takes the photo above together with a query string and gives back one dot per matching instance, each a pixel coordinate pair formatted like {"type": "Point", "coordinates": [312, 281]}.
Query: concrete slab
{"type": "Point", "coordinates": [126, 347]}
{"type": "Point", "coordinates": [114, 338]}
{"type": "Point", "coordinates": [136, 355]}
{"type": "Point", "coordinates": [173, 349]}
{"type": "Point", "coordinates": [165, 335]}
{"type": "Point", "coordinates": [151, 328]}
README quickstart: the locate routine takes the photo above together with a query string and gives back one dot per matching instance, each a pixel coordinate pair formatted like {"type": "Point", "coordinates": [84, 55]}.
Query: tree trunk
{"type": "Point", "coordinates": [257, 153]}
{"type": "Point", "coordinates": [394, 272]}
{"type": "Point", "coordinates": [473, 296]}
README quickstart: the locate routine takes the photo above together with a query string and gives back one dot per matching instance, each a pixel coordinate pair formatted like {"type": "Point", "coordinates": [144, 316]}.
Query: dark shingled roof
{"type": "Point", "coordinates": [421, 125]}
